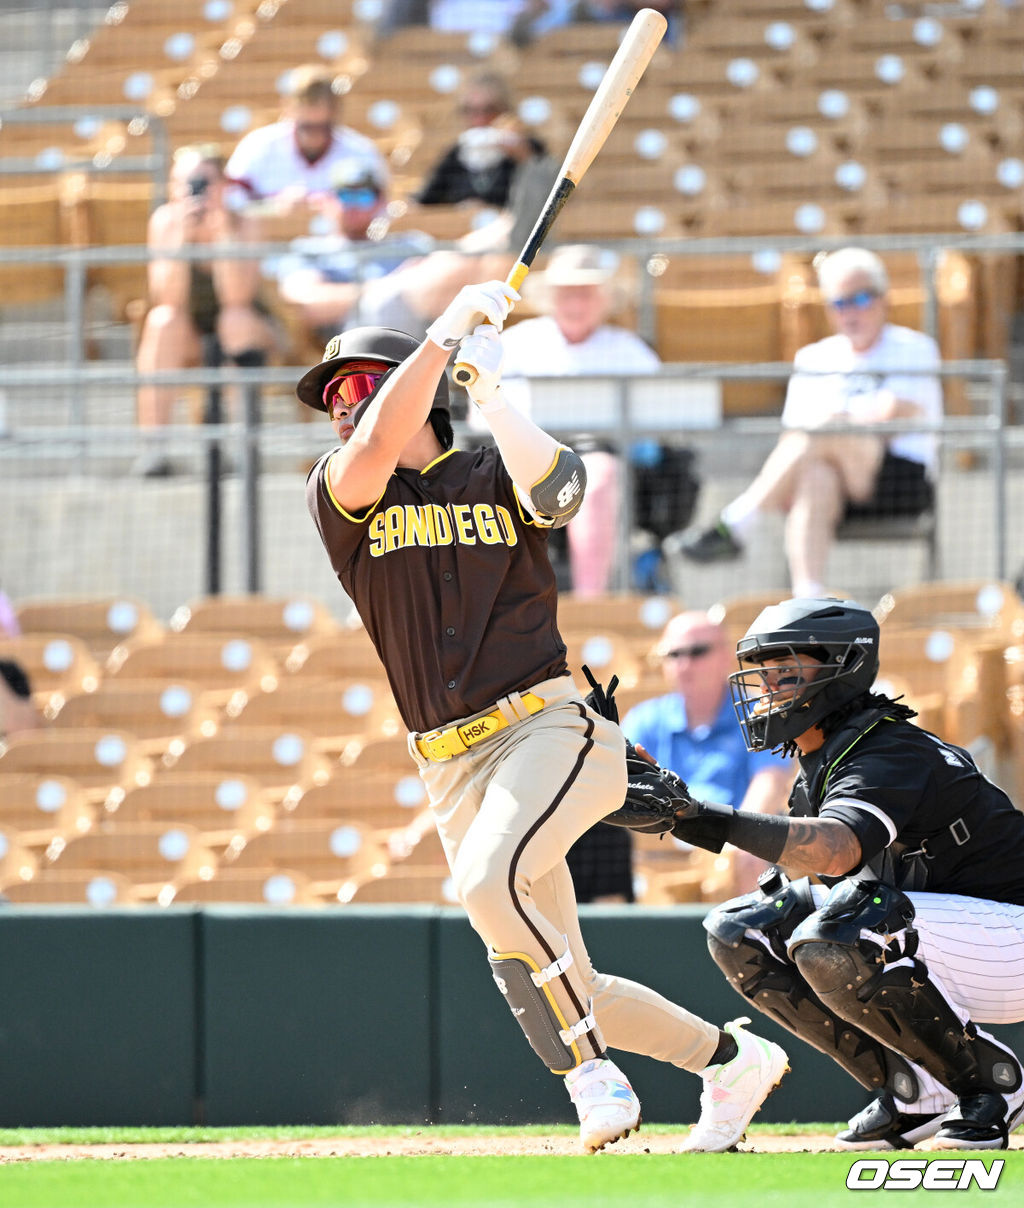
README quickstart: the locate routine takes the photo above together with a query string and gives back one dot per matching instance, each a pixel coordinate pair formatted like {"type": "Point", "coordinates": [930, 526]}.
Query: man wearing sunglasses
{"type": "Point", "coordinates": [692, 730]}
{"type": "Point", "coordinates": [823, 470]}
{"type": "Point", "coordinates": [293, 159]}
{"type": "Point", "coordinates": [444, 554]}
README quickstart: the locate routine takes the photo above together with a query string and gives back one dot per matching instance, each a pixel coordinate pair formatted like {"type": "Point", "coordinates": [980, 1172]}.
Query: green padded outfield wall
{"type": "Point", "coordinates": [319, 1016]}
{"type": "Point", "coordinates": [352, 1015]}
{"type": "Point", "coordinates": [98, 1017]}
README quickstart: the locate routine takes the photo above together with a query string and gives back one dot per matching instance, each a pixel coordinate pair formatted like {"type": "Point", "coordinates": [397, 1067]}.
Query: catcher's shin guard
{"type": "Point", "coordinates": [525, 986]}
{"type": "Point", "coordinates": [857, 953]}
{"type": "Point", "coordinates": [747, 940]}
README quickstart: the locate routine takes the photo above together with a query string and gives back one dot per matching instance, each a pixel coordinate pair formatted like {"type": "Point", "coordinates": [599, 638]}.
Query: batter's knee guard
{"type": "Point", "coordinates": [747, 939]}
{"type": "Point", "coordinates": [528, 993]}
{"type": "Point", "coordinates": [858, 954]}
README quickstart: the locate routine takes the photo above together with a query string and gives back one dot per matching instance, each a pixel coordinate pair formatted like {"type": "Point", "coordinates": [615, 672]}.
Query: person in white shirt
{"type": "Point", "coordinates": [573, 336]}
{"type": "Point", "coordinates": [293, 159]}
{"type": "Point", "coordinates": [822, 469]}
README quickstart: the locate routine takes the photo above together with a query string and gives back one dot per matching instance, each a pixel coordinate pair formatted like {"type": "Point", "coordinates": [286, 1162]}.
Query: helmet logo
{"type": "Point", "coordinates": [331, 351]}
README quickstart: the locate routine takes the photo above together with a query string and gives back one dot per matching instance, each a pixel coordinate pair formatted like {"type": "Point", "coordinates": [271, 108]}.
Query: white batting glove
{"type": "Point", "coordinates": [483, 351]}
{"type": "Point", "coordinates": [470, 307]}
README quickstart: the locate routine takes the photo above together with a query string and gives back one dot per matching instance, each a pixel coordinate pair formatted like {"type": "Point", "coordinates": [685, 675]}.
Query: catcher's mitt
{"type": "Point", "coordinates": [655, 796]}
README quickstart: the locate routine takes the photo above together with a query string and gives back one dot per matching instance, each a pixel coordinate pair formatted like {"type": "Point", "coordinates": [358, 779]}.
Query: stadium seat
{"type": "Point", "coordinates": [344, 655]}
{"type": "Point", "coordinates": [379, 757]}
{"type": "Point", "coordinates": [606, 653]}
{"type": "Point", "coordinates": [104, 212]}
{"type": "Point", "coordinates": [988, 607]}
{"type": "Point", "coordinates": [42, 807]}
{"type": "Point", "coordinates": [17, 861]}
{"type": "Point", "coordinates": [381, 802]}
{"type": "Point", "coordinates": [636, 616]}
{"type": "Point", "coordinates": [57, 664]}
{"type": "Point", "coordinates": [151, 855]}
{"type": "Point", "coordinates": [222, 807]}
{"type": "Point", "coordinates": [101, 622]}
{"type": "Point", "coordinates": [219, 664]}
{"type": "Point", "coordinates": [769, 42]}
{"type": "Point", "coordinates": [922, 528]}
{"type": "Point", "coordinates": [268, 886]}
{"type": "Point", "coordinates": [280, 758]}
{"type": "Point", "coordinates": [325, 851]}
{"type": "Point", "coordinates": [73, 887]}
{"type": "Point", "coordinates": [336, 712]}
{"type": "Point", "coordinates": [402, 885]}
{"type": "Point", "coordinates": [736, 613]}
{"type": "Point", "coordinates": [98, 759]}
{"type": "Point", "coordinates": [278, 621]}
{"type": "Point", "coordinates": [724, 310]}
{"type": "Point", "coordinates": [153, 711]}
{"type": "Point", "coordinates": [30, 215]}
{"type": "Point", "coordinates": [665, 873]}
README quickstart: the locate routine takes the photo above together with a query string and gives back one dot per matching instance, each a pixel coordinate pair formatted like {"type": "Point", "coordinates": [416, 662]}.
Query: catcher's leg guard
{"type": "Point", "coordinates": [758, 967]}
{"type": "Point", "coordinates": [858, 955]}
{"type": "Point", "coordinates": [525, 986]}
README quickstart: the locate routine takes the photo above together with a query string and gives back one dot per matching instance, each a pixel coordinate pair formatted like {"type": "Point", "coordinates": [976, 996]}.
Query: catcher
{"type": "Point", "coordinates": [444, 554]}
{"type": "Point", "coordinates": [915, 933]}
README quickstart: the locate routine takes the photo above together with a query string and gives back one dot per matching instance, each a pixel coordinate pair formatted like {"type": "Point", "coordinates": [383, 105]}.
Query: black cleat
{"type": "Point", "coordinates": [983, 1120]}
{"type": "Point", "coordinates": [715, 544]}
{"type": "Point", "coordinates": [881, 1125]}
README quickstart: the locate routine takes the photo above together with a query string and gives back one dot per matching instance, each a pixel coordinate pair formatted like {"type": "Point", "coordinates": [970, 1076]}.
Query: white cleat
{"type": "Point", "coordinates": [605, 1103]}
{"type": "Point", "coordinates": [734, 1090]}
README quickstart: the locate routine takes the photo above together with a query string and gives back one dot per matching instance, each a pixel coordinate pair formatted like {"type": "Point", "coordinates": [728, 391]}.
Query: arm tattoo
{"type": "Point", "coordinates": [816, 845]}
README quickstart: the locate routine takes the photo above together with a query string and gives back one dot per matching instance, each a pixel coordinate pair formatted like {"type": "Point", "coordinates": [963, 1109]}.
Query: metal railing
{"type": "Point", "coordinates": [80, 440]}
{"type": "Point", "coordinates": [101, 455]}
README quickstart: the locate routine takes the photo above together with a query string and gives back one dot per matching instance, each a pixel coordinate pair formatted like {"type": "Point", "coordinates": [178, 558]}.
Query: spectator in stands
{"type": "Point", "coordinates": [17, 709]}
{"type": "Point", "coordinates": [347, 278]}
{"type": "Point", "coordinates": [692, 729]}
{"type": "Point", "coordinates": [364, 275]}
{"type": "Point", "coordinates": [292, 159]}
{"type": "Point", "coordinates": [822, 469]}
{"type": "Point", "coordinates": [483, 162]}
{"type": "Point", "coordinates": [615, 10]}
{"type": "Point", "coordinates": [519, 20]}
{"type": "Point", "coordinates": [199, 310]}
{"type": "Point", "coordinates": [572, 335]}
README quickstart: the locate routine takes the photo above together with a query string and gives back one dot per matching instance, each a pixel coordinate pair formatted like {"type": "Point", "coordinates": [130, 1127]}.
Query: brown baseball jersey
{"type": "Point", "coordinates": [451, 577]}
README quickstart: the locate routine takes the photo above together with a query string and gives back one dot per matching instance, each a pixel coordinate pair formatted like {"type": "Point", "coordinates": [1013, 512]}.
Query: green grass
{"type": "Point", "coordinates": [615, 1180]}
{"type": "Point", "coordinates": [711, 1180]}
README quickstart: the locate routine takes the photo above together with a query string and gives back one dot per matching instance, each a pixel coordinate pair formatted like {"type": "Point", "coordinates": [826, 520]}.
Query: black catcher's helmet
{"type": "Point", "coordinates": [839, 634]}
{"type": "Point", "coordinates": [378, 344]}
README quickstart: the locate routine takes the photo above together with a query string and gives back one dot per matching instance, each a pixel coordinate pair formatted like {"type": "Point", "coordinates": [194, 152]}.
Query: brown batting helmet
{"type": "Point", "coordinates": [362, 344]}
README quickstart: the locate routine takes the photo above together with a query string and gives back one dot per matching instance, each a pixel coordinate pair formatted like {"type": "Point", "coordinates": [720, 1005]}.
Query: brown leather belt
{"type": "Point", "coordinates": [440, 745]}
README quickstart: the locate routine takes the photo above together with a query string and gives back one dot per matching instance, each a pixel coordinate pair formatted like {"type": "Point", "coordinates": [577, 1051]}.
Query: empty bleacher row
{"type": "Point", "coordinates": [770, 119]}
{"type": "Point", "coordinates": [250, 750]}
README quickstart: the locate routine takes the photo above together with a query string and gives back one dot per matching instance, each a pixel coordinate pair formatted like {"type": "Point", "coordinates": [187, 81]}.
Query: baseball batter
{"type": "Point", "coordinates": [444, 554]}
{"type": "Point", "coordinates": [916, 934]}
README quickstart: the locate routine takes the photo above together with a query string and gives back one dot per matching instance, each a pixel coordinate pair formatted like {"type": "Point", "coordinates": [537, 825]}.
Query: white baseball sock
{"type": "Point", "coordinates": [741, 519]}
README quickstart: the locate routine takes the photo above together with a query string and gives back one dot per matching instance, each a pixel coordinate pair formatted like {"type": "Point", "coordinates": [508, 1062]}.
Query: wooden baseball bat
{"type": "Point", "coordinates": [635, 51]}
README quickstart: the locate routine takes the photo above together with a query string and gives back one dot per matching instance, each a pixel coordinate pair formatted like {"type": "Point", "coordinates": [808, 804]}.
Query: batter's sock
{"type": "Point", "coordinates": [726, 1051]}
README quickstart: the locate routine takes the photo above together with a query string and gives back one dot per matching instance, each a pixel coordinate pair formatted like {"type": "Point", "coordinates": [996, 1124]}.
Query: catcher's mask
{"type": "Point", "coordinates": [830, 653]}
{"type": "Point", "coordinates": [382, 345]}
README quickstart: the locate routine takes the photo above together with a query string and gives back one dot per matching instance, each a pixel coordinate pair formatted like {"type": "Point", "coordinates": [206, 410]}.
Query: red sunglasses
{"type": "Point", "coordinates": [350, 389]}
